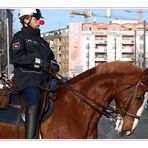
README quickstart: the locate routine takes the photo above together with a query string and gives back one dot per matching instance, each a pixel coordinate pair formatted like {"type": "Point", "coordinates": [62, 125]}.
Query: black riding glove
{"type": "Point", "coordinates": [54, 66]}
{"type": "Point", "coordinates": [45, 66]}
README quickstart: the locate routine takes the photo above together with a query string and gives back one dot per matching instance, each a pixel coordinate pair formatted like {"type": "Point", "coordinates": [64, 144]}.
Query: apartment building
{"type": "Point", "coordinates": [83, 46]}
{"type": "Point", "coordinates": [110, 42]}
{"type": "Point", "coordinates": [59, 42]}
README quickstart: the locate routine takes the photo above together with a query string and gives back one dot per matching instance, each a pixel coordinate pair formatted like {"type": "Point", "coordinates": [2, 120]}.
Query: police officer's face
{"type": "Point", "coordinates": [34, 23]}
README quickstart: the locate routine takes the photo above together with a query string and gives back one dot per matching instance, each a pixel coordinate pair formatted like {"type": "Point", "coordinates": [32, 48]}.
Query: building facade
{"type": "Point", "coordinates": [82, 46]}
{"type": "Point", "coordinates": [6, 21]}
{"type": "Point", "coordinates": [59, 42]}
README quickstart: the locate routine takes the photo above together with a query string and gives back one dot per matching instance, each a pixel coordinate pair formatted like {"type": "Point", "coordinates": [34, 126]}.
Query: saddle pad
{"type": "Point", "coordinates": [11, 115]}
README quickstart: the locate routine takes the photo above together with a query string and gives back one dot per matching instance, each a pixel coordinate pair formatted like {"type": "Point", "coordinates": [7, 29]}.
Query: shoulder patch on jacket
{"type": "Point", "coordinates": [16, 46]}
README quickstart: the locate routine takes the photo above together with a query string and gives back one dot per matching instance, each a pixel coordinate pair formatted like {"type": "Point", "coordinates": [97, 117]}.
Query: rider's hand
{"type": "Point", "coordinates": [45, 66]}
{"type": "Point", "coordinates": [54, 66]}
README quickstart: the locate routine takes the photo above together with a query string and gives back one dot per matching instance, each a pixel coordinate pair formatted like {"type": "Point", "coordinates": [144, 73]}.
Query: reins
{"type": "Point", "coordinates": [86, 99]}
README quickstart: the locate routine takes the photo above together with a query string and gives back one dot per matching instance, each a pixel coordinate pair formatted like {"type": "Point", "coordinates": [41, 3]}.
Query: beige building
{"type": "Point", "coordinates": [59, 42]}
{"type": "Point", "coordinates": [82, 46]}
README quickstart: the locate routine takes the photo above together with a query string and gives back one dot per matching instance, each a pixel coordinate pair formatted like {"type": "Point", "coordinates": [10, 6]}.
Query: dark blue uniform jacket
{"type": "Point", "coordinates": [26, 46]}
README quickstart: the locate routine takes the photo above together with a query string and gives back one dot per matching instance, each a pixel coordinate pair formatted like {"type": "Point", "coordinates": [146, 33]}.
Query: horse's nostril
{"type": "Point", "coordinates": [128, 133]}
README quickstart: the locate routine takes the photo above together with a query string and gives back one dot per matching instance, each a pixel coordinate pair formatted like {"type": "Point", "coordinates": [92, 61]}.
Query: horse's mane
{"type": "Point", "coordinates": [83, 75]}
{"type": "Point", "coordinates": [109, 67]}
{"type": "Point", "coordinates": [118, 67]}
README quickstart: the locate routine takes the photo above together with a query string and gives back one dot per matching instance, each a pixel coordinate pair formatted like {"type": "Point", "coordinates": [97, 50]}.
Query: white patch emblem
{"type": "Point", "coordinates": [29, 41]}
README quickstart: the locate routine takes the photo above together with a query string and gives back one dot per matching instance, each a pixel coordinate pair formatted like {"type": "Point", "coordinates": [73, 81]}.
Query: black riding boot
{"type": "Point", "coordinates": [32, 122]}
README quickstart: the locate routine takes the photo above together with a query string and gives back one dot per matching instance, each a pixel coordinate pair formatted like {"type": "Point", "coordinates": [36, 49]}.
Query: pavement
{"type": "Point", "coordinates": [106, 129]}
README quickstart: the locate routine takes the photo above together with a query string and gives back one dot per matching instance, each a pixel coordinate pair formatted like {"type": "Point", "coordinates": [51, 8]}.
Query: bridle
{"type": "Point", "coordinates": [124, 110]}
{"type": "Point", "coordinates": [108, 111]}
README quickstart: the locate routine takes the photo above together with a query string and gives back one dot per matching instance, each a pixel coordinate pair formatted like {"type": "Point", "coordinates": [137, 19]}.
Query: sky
{"type": "Point", "coordinates": [60, 18]}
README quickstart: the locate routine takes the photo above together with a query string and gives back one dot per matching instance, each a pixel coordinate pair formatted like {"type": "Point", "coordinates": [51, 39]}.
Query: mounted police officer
{"type": "Point", "coordinates": [32, 57]}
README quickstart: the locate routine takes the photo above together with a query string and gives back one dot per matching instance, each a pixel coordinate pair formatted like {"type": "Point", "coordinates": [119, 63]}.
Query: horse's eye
{"type": "Point", "coordinates": [139, 98]}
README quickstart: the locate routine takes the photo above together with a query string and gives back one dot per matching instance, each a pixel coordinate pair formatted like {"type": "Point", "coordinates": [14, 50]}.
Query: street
{"type": "Point", "coordinates": [106, 130]}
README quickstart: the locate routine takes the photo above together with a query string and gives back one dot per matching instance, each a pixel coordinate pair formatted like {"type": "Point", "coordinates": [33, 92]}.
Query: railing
{"type": "Point", "coordinates": [101, 58]}
{"type": "Point", "coordinates": [127, 42]}
{"type": "Point", "coordinates": [128, 50]}
{"type": "Point", "coordinates": [126, 59]}
{"type": "Point", "coordinates": [100, 50]}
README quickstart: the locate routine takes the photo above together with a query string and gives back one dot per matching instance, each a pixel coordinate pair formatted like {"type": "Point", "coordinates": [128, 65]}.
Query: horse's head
{"type": "Point", "coordinates": [130, 100]}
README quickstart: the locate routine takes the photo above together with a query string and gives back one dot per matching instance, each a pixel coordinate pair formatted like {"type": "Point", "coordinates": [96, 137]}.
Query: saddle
{"type": "Point", "coordinates": [7, 90]}
{"type": "Point", "coordinates": [10, 100]}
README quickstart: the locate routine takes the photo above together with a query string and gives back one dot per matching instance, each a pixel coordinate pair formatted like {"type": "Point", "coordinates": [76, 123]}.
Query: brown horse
{"type": "Point", "coordinates": [73, 118]}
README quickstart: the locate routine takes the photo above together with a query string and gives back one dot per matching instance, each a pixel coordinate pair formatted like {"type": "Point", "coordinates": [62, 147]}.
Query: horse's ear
{"type": "Point", "coordinates": [145, 75]}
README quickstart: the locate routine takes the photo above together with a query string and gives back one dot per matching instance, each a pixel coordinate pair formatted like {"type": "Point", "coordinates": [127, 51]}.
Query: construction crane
{"type": "Point", "coordinates": [112, 16]}
{"type": "Point", "coordinates": [85, 13]}
{"type": "Point", "coordinates": [139, 14]}
{"type": "Point", "coordinates": [108, 14]}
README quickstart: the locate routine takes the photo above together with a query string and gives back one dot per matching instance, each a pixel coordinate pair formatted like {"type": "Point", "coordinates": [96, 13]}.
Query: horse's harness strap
{"type": "Point", "coordinates": [94, 105]}
{"type": "Point", "coordinates": [129, 99]}
{"type": "Point", "coordinates": [44, 101]}
{"type": "Point", "coordinates": [85, 99]}
{"type": "Point", "coordinates": [132, 115]}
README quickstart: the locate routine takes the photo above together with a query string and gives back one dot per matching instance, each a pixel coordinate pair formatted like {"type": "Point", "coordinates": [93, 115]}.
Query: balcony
{"type": "Point", "coordinates": [127, 42]}
{"type": "Point", "coordinates": [100, 32]}
{"type": "Point", "coordinates": [127, 50]}
{"type": "Point", "coordinates": [100, 50]}
{"type": "Point", "coordinates": [126, 59]}
{"type": "Point", "coordinates": [100, 42]}
{"type": "Point", "coordinates": [101, 58]}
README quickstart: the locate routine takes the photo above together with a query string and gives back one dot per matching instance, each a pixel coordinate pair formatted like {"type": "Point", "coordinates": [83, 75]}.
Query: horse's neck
{"type": "Point", "coordinates": [73, 114]}
{"type": "Point", "coordinates": [95, 88]}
